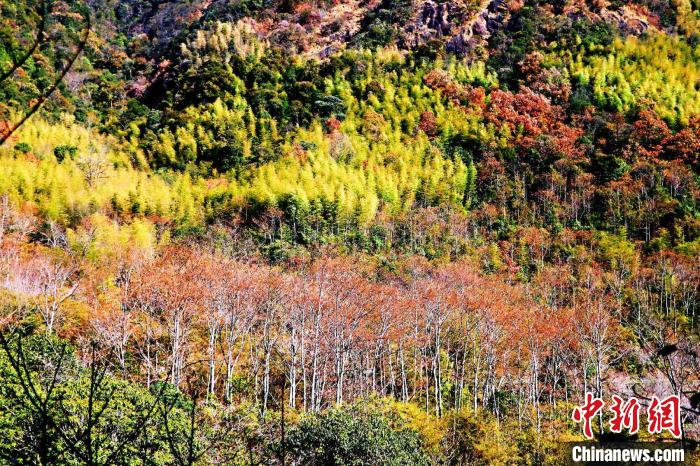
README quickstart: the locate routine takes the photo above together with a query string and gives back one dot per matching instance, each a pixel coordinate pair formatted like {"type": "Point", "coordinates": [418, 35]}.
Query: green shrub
{"type": "Point", "coordinates": [352, 437]}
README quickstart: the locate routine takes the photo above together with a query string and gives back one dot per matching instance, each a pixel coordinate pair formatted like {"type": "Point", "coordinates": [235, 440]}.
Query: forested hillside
{"type": "Point", "coordinates": [344, 232]}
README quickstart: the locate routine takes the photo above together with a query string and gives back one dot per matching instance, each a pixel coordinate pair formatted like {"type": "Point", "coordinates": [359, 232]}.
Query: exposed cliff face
{"type": "Point", "coordinates": [492, 15]}
{"type": "Point", "coordinates": [460, 25]}
{"type": "Point", "coordinates": [463, 27]}
{"type": "Point", "coordinates": [627, 20]}
{"type": "Point", "coordinates": [322, 28]}
{"type": "Point", "coordinates": [432, 20]}
{"type": "Point", "coordinates": [317, 30]}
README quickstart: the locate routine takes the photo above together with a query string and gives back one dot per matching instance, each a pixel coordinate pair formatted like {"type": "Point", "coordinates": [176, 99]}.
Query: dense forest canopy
{"type": "Point", "coordinates": [342, 232]}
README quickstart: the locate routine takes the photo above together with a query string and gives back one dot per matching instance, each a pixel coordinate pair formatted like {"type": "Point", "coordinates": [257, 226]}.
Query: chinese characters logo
{"type": "Point", "coordinates": [661, 414]}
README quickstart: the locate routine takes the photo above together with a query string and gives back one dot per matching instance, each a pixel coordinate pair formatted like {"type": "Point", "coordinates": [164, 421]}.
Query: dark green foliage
{"type": "Point", "coordinates": [63, 152]}
{"type": "Point", "coordinates": [58, 410]}
{"type": "Point", "coordinates": [382, 25]}
{"type": "Point", "coordinates": [520, 37]}
{"type": "Point", "coordinates": [23, 147]}
{"type": "Point", "coordinates": [352, 437]}
{"type": "Point", "coordinates": [590, 34]}
{"type": "Point", "coordinates": [330, 106]}
{"type": "Point", "coordinates": [232, 10]}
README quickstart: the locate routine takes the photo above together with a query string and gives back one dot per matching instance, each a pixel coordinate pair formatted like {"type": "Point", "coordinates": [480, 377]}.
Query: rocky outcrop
{"type": "Point", "coordinates": [626, 20]}
{"type": "Point", "coordinates": [488, 19]}
{"type": "Point", "coordinates": [432, 20]}
{"type": "Point", "coordinates": [631, 19]}
{"type": "Point", "coordinates": [321, 29]}
{"type": "Point", "coordinates": [460, 27]}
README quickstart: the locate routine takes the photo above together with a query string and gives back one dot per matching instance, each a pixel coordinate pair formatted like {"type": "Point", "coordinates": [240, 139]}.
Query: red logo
{"type": "Point", "coordinates": [665, 415]}
{"type": "Point", "coordinates": [662, 414]}
{"type": "Point", "coordinates": [586, 412]}
{"type": "Point", "coordinates": [625, 415]}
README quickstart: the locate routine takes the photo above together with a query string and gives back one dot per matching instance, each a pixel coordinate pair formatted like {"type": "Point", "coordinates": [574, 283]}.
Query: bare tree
{"type": "Point", "coordinates": [94, 164]}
